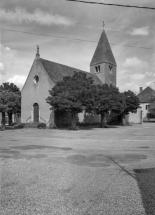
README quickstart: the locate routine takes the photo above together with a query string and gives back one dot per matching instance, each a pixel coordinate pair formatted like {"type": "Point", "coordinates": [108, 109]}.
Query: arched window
{"type": "Point", "coordinates": [36, 79]}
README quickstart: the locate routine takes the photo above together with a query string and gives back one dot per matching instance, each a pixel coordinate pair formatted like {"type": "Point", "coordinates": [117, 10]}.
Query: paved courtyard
{"type": "Point", "coordinates": [87, 172]}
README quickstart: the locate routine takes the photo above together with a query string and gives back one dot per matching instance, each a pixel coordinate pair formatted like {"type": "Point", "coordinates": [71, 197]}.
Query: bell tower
{"type": "Point", "coordinates": [103, 63]}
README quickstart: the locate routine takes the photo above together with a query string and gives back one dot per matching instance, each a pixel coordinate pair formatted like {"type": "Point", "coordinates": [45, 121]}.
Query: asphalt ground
{"type": "Point", "coordinates": [86, 172]}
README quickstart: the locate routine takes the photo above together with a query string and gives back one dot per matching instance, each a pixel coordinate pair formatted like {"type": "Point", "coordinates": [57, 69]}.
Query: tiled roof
{"type": "Point", "coordinates": [103, 52]}
{"type": "Point", "coordinates": [146, 95]}
{"type": "Point", "coordinates": [57, 71]}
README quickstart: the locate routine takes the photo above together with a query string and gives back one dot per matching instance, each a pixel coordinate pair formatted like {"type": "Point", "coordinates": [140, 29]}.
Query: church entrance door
{"type": "Point", "coordinates": [35, 112]}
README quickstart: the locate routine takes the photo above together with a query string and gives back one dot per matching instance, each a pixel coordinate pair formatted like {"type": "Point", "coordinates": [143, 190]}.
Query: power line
{"type": "Point", "coordinates": [111, 29]}
{"type": "Point", "coordinates": [69, 38]}
{"type": "Point", "coordinates": [118, 5]}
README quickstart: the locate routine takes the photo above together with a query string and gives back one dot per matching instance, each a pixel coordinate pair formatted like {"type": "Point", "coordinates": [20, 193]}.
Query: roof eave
{"type": "Point", "coordinates": [94, 64]}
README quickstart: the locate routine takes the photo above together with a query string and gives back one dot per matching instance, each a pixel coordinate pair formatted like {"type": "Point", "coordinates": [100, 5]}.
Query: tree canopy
{"type": "Point", "coordinates": [9, 87]}
{"type": "Point", "coordinates": [77, 93]}
{"type": "Point", "coordinates": [10, 100]}
{"type": "Point", "coordinates": [107, 99]}
{"type": "Point", "coordinates": [132, 102]}
{"type": "Point", "coordinates": [72, 94]}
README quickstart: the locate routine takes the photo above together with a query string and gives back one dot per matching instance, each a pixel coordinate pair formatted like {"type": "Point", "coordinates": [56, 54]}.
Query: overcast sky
{"type": "Point", "coordinates": [126, 26]}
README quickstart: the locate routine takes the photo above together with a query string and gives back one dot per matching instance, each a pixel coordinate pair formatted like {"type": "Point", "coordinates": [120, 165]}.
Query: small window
{"type": "Point", "coordinates": [147, 107]}
{"type": "Point", "coordinates": [36, 79]}
{"type": "Point", "coordinates": [97, 68]}
{"type": "Point", "coordinates": [110, 69]}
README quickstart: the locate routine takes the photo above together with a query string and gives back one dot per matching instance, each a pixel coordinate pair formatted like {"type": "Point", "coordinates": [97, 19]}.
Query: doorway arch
{"type": "Point", "coordinates": [35, 112]}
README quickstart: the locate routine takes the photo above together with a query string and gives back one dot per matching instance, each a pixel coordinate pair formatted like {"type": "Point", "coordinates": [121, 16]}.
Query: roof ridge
{"type": "Point", "coordinates": [148, 87]}
{"type": "Point", "coordinates": [146, 94]}
{"type": "Point", "coordinates": [63, 65]}
{"type": "Point", "coordinates": [57, 71]}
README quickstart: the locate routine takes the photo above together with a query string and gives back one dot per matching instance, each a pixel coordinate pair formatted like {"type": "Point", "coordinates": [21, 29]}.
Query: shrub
{"type": "Point", "coordinates": [13, 124]}
{"type": "Point", "coordinates": [75, 128]}
{"type": "Point", "coordinates": [19, 125]}
{"type": "Point", "coordinates": [41, 126]}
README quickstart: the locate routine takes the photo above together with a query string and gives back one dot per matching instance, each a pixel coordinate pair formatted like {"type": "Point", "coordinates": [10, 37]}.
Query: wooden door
{"type": "Point", "coordinates": [35, 112]}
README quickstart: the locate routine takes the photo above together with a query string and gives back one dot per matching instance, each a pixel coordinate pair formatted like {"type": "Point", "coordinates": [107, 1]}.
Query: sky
{"type": "Point", "coordinates": [124, 27]}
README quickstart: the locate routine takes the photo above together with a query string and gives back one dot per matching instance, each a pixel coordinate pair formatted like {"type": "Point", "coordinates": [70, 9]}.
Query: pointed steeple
{"type": "Point", "coordinates": [37, 54]}
{"type": "Point", "coordinates": [103, 52]}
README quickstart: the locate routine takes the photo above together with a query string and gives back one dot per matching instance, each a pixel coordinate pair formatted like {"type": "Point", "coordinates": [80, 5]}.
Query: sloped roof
{"type": "Point", "coordinates": [146, 95]}
{"type": "Point", "coordinates": [57, 71]}
{"type": "Point", "coordinates": [103, 52]}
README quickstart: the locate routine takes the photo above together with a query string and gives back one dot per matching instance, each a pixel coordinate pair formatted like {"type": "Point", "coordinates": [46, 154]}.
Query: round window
{"type": "Point", "coordinates": [36, 79]}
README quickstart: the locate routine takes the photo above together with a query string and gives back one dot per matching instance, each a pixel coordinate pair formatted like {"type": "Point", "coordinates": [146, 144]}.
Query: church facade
{"type": "Point", "coordinates": [44, 75]}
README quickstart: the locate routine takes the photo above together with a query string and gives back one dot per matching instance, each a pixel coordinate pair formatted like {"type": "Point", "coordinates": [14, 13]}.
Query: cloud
{"type": "Point", "coordinates": [151, 84]}
{"type": "Point", "coordinates": [149, 73]}
{"type": "Point", "coordinates": [129, 86]}
{"type": "Point", "coordinates": [1, 66]}
{"type": "Point", "coordinates": [14, 66]}
{"type": "Point", "coordinates": [148, 83]}
{"type": "Point", "coordinates": [134, 62]}
{"type": "Point", "coordinates": [18, 80]}
{"type": "Point", "coordinates": [122, 72]}
{"type": "Point", "coordinates": [138, 76]}
{"type": "Point", "coordinates": [140, 31]}
{"type": "Point", "coordinates": [20, 16]}
{"type": "Point", "coordinates": [7, 48]}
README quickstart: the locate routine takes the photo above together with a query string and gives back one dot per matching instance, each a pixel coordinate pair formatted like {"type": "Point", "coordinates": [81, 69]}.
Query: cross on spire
{"type": "Point", "coordinates": [103, 25]}
{"type": "Point", "coordinates": [37, 54]}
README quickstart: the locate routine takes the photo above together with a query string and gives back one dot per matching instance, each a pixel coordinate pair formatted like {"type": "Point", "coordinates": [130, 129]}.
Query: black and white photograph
{"type": "Point", "coordinates": [77, 107]}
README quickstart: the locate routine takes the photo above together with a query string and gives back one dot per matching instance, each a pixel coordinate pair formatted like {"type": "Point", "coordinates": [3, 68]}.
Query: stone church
{"type": "Point", "coordinates": [44, 74]}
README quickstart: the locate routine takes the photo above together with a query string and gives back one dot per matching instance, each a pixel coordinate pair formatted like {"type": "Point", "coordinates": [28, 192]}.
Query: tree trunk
{"type": "Point", "coordinates": [3, 121]}
{"type": "Point", "coordinates": [73, 121]}
{"type": "Point", "coordinates": [10, 118]}
{"type": "Point", "coordinates": [103, 121]}
{"type": "Point", "coordinates": [123, 121]}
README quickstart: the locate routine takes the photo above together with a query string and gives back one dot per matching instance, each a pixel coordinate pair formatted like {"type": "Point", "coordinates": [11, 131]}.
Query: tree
{"type": "Point", "coordinates": [132, 104]}
{"type": "Point", "coordinates": [107, 99]}
{"type": "Point", "coordinates": [10, 87]}
{"type": "Point", "coordinates": [10, 100]}
{"type": "Point", "coordinates": [72, 94]}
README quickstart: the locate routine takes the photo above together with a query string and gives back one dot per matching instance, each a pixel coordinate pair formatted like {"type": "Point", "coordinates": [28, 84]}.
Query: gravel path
{"type": "Point", "coordinates": [98, 171]}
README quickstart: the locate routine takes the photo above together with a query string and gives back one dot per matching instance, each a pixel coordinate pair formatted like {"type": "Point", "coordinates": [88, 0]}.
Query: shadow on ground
{"type": "Point", "coordinates": [16, 152]}
{"type": "Point", "coordinates": [86, 127]}
{"type": "Point", "coordinates": [31, 147]}
{"type": "Point", "coordinates": [146, 183]}
{"type": "Point", "coordinates": [7, 128]}
{"type": "Point", "coordinates": [101, 160]}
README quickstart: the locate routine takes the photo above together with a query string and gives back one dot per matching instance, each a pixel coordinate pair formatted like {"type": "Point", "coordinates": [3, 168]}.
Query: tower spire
{"type": "Point", "coordinates": [37, 54]}
{"type": "Point", "coordinates": [103, 52]}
